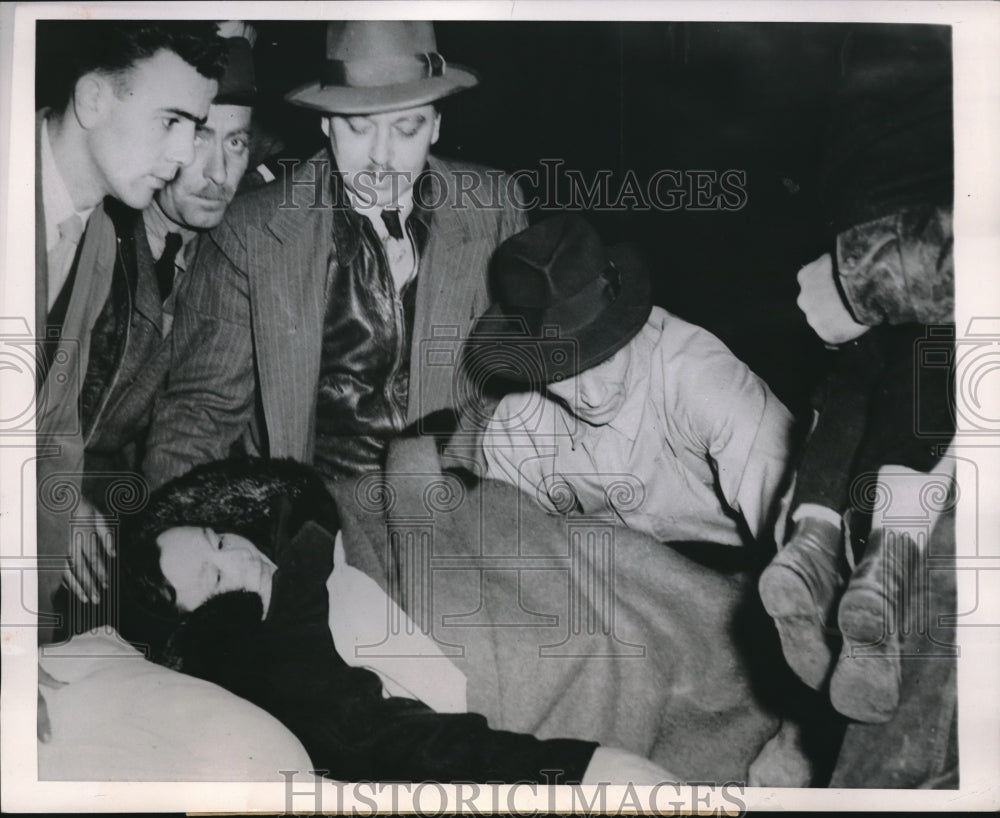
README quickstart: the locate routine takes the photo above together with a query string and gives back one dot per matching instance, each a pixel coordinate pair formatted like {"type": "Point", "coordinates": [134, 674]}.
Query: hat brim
{"type": "Point", "coordinates": [340, 99]}
{"type": "Point", "coordinates": [500, 343]}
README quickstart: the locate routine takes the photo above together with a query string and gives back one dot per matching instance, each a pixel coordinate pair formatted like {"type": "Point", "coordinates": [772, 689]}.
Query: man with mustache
{"type": "Point", "coordinates": [130, 348]}
{"type": "Point", "coordinates": [318, 295]}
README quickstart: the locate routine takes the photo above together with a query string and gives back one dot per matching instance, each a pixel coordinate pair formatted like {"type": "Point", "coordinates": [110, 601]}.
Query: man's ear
{"type": "Point", "coordinates": [437, 127]}
{"type": "Point", "coordinates": [92, 97]}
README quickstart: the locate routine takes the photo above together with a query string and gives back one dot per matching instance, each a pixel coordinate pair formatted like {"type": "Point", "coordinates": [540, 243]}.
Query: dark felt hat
{"type": "Point", "coordinates": [238, 85]}
{"type": "Point", "coordinates": [563, 303]}
{"type": "Point", "coordinates": [373, 66]}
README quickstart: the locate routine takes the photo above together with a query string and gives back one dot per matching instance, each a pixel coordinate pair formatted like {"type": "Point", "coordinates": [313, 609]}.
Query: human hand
{"type": "Point", "coordinates": [92, 547]}
{"type": "Point", "coordinates": [611, 765]}
{"type": "Point", "coordinates": [237, 28]}
{"type": "Point", "coordinates": [45, 680]}
{"type": "Point", "coordinates": [824, 309]}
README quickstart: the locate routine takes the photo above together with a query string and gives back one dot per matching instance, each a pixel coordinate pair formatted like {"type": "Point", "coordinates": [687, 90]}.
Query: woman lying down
{"type": "Point", "coordinates": [233, 589]}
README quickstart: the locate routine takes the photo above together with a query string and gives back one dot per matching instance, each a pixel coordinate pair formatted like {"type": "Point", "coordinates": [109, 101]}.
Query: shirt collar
{"type": "Point", "coordinates": [158, 224]}
{"type": "Point", "coordinates": [629, 417]}
{"type": "Point", "coordinates": [374, 213]}
{"type": "Point", "coordinates": [408, 204]}
{"type": "Point", "coordinates": [56, 200]}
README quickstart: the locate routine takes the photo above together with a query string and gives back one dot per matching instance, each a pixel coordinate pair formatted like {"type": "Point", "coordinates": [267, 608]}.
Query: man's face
{"type": "Point", "coordinates": [381, 155]}
{"type": "Point", "coordinates": [144, 132]}
{"type": "Point", "coordinates": [597, 395]}
{"type": "Point", "coordinates": [202, 191]}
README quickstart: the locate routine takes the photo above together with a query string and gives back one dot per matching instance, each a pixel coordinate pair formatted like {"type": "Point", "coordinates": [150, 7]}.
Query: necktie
{"type": "Point", "coordinates": [398, 250]}
{"type": "Point", "coordinates": [390, 218]}
{"type": "Point", "coordinates": [60, 260]}
{"type": "Point", "coordinates": [164, 267]}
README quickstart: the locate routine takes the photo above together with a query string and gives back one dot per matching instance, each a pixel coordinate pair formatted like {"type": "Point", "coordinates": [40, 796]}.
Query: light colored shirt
{"type": "Point", "coordinates": [699, 450]}
{"type": "Point", "coordinates": [401, 253]}
{"type": "Point", "coordinates": [58, 206]}
{"type": "Point", "coordinates": [158, 225]}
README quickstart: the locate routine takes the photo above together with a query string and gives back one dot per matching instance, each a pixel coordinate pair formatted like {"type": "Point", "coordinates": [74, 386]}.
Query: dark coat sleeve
{"type": "Point", "coordinates": [287, 664]}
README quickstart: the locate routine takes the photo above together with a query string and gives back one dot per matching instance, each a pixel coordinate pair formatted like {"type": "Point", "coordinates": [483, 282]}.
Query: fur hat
{"type": "Point", "coordinates": [251, 497]}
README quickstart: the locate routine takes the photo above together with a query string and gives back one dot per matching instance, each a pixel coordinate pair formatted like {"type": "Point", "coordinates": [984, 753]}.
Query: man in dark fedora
{"type": "Point", "coordinates": [640, 413]}
{"type": "Point", "coordinates": [130, 342]}
{"type": "Point", "coordinates": [311, 305]}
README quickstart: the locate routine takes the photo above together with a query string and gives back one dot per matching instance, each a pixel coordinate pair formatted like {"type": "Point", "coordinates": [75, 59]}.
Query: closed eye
{"type": "Point", "coordinates": [360, 125]}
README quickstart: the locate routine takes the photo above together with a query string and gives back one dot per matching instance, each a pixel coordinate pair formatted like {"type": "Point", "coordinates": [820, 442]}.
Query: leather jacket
{"type": "Point", "coordinates": [364, 371]}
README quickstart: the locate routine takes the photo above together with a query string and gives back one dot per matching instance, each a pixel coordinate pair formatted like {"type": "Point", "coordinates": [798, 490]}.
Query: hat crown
{"type": "Point", "coordinates": [552, 261]}
{"type": "Point", "coordinates": [376, 66]}
{"type": "Point", "coordinates": [353, 40]}
{"type": "Point", "coordinates": [238, 85]}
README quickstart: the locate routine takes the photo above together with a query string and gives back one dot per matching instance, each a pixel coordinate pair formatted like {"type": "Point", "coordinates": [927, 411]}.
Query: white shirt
{"type": "Point", "coordinates": [58, 206]}
{"type": "Point", "coordinates": [699, 443]}
{"type": "Point", "coordinates": [402, 253]}
{"type": "Point", "coordinates": [158, 224]}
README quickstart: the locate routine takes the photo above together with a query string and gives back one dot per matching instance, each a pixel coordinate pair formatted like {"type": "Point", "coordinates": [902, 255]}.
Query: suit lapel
{"type": "Point", "coordinates": [288, 263]}
{"type": "Point", "coordinates": [448, 297]}
{"type": "Point", "coordinates": [95, 267]}
{"type": "Point", "coordinates": [147, 291]}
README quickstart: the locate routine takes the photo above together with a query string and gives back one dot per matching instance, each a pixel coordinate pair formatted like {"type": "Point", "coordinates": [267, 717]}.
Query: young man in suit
{"type": "Point", "coordinates": [317, 296]}
{"type": "Point", "coordinates": [130, 344]}
{"type": "Point", "coordinates": [124, 124]}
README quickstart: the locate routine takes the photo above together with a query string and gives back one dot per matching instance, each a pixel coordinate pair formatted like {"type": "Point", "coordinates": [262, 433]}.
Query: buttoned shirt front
{"type": "Point", "coordinates": [698, 452]}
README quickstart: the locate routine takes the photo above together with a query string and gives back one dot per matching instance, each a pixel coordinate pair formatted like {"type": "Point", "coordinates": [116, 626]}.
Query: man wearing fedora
{"type": "Point", "coordinates": [130, 342]}
{"type": "Point", "coordinates": [311, 303]}
{"type": "Point", "coordinates": [641, 414]}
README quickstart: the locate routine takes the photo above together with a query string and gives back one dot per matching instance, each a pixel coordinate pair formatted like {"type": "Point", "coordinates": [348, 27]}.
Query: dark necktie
{"type": "Point", "coordinates": [390, 218]}
{"type": "Point", "coordinates": [164, 267]}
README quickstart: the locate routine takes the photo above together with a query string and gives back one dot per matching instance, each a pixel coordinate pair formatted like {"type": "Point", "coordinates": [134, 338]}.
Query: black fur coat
{"type": "Point", "coordinates": [286, 662]}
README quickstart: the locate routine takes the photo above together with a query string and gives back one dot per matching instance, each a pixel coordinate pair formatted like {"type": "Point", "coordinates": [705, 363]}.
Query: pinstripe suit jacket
{"type": "Point", "coordinates": [247, 340]}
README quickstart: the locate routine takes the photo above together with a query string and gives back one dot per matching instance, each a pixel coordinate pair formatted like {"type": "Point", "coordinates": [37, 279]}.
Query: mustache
{"type": "Point", "coordinates": [216, 193]}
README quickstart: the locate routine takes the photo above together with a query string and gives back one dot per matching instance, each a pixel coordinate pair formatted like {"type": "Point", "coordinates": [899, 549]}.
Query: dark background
{"type": "Point", "coordinates": [640, 97]}
{"type": "Point", "coordinates": [644, 96]}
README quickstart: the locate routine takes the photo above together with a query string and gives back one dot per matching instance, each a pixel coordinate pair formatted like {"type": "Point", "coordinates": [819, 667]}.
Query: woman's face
{"type": "Point", "coordinates": [200, 564]}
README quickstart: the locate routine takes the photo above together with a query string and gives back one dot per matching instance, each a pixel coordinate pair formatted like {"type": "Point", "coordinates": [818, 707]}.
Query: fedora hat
{"type": "Point", "coordinates": [238, 85]}
{"type": "Point", "coordinates": [373, 66]}
{"type": "Point", "coordinates": [563, 303]}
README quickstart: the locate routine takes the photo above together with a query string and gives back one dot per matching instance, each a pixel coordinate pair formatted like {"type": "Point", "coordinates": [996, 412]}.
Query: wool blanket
{"type": "Point", "coordinates": [570, 626]}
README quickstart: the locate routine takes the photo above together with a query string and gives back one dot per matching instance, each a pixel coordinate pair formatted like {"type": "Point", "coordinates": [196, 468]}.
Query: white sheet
{"type": "Point", "coordinates": [123, 718]}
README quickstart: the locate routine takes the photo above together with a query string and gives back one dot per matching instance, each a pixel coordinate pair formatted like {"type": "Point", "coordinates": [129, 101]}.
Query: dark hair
{"type": "Point", "coordinates": [247, 496]}
{"type": "Point", "coordinates": [114, 47]}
